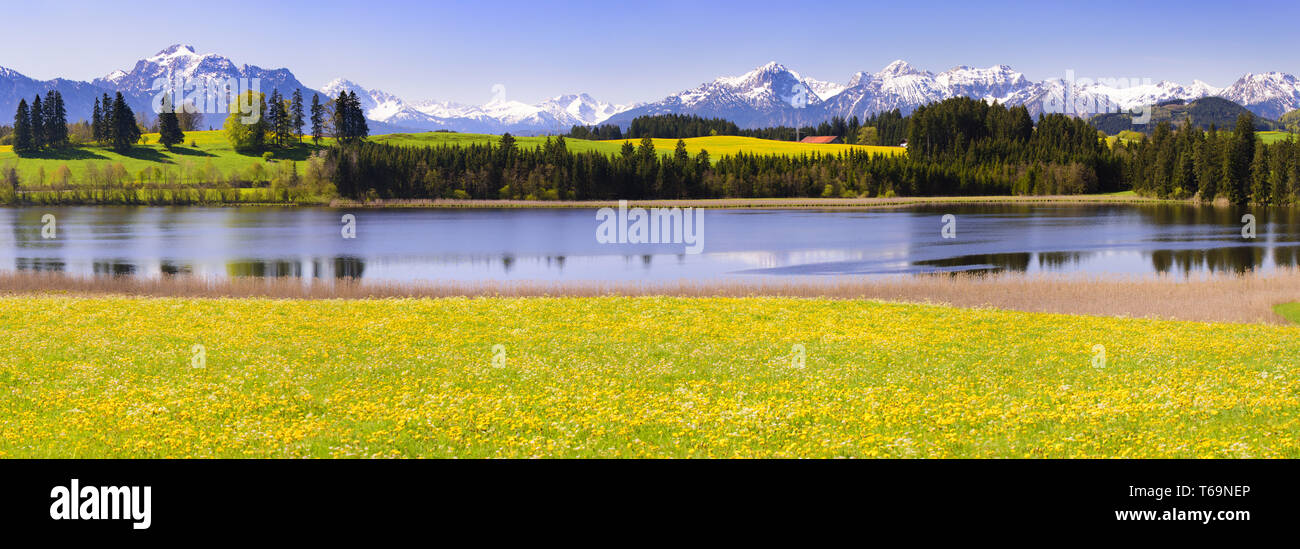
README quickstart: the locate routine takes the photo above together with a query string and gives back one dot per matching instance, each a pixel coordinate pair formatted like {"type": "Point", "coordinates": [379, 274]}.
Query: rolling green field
{"type": "Point", "coordinates": [210, 150]}
{"type": "Point", "coordinates": [1273, 136]}
{"type": "Point", "coordinates": [204, 151]}
{"type": "Point", "coordinates": [631, 377]}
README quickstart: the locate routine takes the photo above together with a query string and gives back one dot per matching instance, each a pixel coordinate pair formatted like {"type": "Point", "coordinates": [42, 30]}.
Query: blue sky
{"type": "Point", "coordinates": [638, 51]}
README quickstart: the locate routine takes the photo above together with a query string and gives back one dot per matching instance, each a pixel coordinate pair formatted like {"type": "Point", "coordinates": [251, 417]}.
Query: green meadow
{"type": "Point", "coordinates": [202, 152]}
{"type": "Point", "coordinates": [206, 151]}
{"type": "Point", "coordinates": [1271, 137]}
{"type": "Point", "coordinates": [603, 377]}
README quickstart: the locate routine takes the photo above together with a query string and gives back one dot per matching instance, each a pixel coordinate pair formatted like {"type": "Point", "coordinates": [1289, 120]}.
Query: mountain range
{"type": "Point", "coordinates": [769, 95]}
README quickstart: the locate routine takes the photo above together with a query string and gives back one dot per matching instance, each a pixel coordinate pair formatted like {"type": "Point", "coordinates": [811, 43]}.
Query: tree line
{"type": "Point", "coordinates": [958, 160]}
{"type": "Point", "coordinates": [959, 146]}
{"type": "Point", "coordinates": [279, 122]}
{"type": "Point", "coordinates": [1236, 165]}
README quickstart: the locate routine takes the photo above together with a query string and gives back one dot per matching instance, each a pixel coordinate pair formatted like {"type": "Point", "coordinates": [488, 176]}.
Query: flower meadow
{"type": "Point", "coordinates": [124, 377]}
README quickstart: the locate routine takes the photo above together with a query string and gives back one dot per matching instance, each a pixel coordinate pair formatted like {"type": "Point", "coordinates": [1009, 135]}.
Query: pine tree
{"type": "Point", "coordinates": [22, 129]}
{"type": "Point", "coordinates": [97, 123]}
{"type": "Point", "coordinates": [38, 123]}
{"type": "Point", "coordinates": [341, 117]}
{"type": "Point", "coordinates": [273, 118]}
{"type": "Point", "coordinates": [169, 126]}
{"type": "Point", "coordinates": [61, 119]}
{"type": "Point", "coordinates": [360, 130]}
{"type": "Point", "coordinates": [260, 128]}
{"type": "Point", "coordinates": [1207, 177]}
{"type": "Point", "coordinates": [1241, 153]}
{"type": "Point", "coordinates": [1261, 192]}
{"type": "Point", "coordinates": [284, 131]}
{"type": "Point", "coordinates": [507, 150]}
{"type": "Point", "coordinates": [297, 114]}
{"type": "Point", "coordinates": [123, 130]}
{"type": "Point", "coordinates": [106, 120]}
{"type": "Point", "coordinates": [317, 119]}
{"type": "Point", "coordinates": [47, 120]}
{"type": "Point", "coordinates": [56, 120]}
{"type": "Point", "coordinates": [349, 120]}
{"type": "Point", "coordinates": [1279, 161]}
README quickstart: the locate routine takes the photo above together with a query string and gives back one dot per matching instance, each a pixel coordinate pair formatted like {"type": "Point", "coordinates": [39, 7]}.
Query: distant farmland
{"type": "Point", "coordinates": [718, 145]}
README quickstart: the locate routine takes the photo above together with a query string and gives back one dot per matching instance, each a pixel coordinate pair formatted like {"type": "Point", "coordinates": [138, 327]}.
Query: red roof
{"type": "Point", "coordinates": [819, 139]}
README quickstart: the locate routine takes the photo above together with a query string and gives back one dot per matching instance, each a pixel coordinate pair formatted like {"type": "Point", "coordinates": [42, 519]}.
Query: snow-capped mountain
{"type": "Point", "coordinates": [555, 115]}
{"type": "Point", "coordinates": [754, 99]}
{"type": "Point", "coordinates": [769, 95]}
{"type": "Point", "coordinates": [379, 105]}
{"type": "Point", "coordinates": [182, 61]}
{"type": "Point", "coordinates": [904, 87]}
{"type": "Point", "coordinates": [1269, 94]}
{"type": "Point", "coordinates": [997, 81]}
{"type": "Point", "coordinates": [824, 90]}
{"type": "Point", "coordinates": [897, 86]}
{"type": "Point", "coordinates": [766, 96]}
{"type": "Point", "coordinates": [581, 108]}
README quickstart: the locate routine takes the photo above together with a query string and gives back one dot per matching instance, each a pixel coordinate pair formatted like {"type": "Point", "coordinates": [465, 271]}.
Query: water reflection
{"type": "Point", "coordinates": [38, 264]}
{"type": "Point", "coordinates": [113, 268]}
{"type": "Point", "coordinates": [560, 244]}
{"type": "Point", "coordinates": [337, 267]}
{"type": "Point", "coordinates": [172, 268]}
{"type": "Point", "coordinates": [978, 262]}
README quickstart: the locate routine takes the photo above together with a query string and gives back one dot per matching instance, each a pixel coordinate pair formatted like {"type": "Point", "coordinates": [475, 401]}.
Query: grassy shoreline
{"type": "Point", "coordinates": [708, 203]}
{"type": "Point", "coordinates": [766, 203]}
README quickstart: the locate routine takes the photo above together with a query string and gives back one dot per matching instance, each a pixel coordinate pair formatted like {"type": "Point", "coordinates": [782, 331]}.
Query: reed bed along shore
{"type": "Point", "coordinates": [1244, 298]}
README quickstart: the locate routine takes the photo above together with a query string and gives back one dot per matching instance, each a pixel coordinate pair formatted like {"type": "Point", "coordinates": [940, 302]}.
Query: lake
{"type": "Point", "coordinates": [561, 244]}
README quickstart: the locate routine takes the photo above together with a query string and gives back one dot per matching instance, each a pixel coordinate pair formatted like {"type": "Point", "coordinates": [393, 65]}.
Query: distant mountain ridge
{"type": "Point", "coordinates": [555, 115]}
{"type": "Point", "coordinates": [769, 95]}
{"type": "Point", "coordinates": [747, 99]}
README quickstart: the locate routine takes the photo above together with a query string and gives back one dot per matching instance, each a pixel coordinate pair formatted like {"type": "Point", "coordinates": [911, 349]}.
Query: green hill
{"type": "Point", "coordinates": [204, 156]}
{"type": "Point", "coordinates": [1203, 112]}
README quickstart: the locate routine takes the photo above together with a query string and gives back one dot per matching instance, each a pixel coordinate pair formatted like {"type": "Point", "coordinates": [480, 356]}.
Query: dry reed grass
{"type": "Point", "coordinates": [1246, 298]}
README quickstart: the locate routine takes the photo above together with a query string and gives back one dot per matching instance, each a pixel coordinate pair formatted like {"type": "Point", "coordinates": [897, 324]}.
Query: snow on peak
{"type": "Point", "coordinates": [9, 73]}
{"type": "Point", "coordinates": [859, 78]}
{"type": "Point", "coordinates": [1269, 94]}
{"type": "Point", "coordinates": [1202, 89]}
{"type": "Point", "coordinates": [581, 108]}
{"type": "Point", "coordinates": [824, 90]}
{"type": "Point", "coordinates": [333, 87]}
{"type": "Point", "coordinates": [176, 49]}
{"type": "Point", "coordinates": [899, 68]}
{"type": "Point", "coordinates": [377, 104]}
{"type": "Point", "coordinates": [756, 77]}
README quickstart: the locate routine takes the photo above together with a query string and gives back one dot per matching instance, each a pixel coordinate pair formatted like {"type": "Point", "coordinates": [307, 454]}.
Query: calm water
{"type": "Point", "coordinates": [561, 243]}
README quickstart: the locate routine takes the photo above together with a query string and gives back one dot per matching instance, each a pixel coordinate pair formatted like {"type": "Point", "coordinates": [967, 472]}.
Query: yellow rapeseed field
{"type": "Point", "coordinates": [631, 377]}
